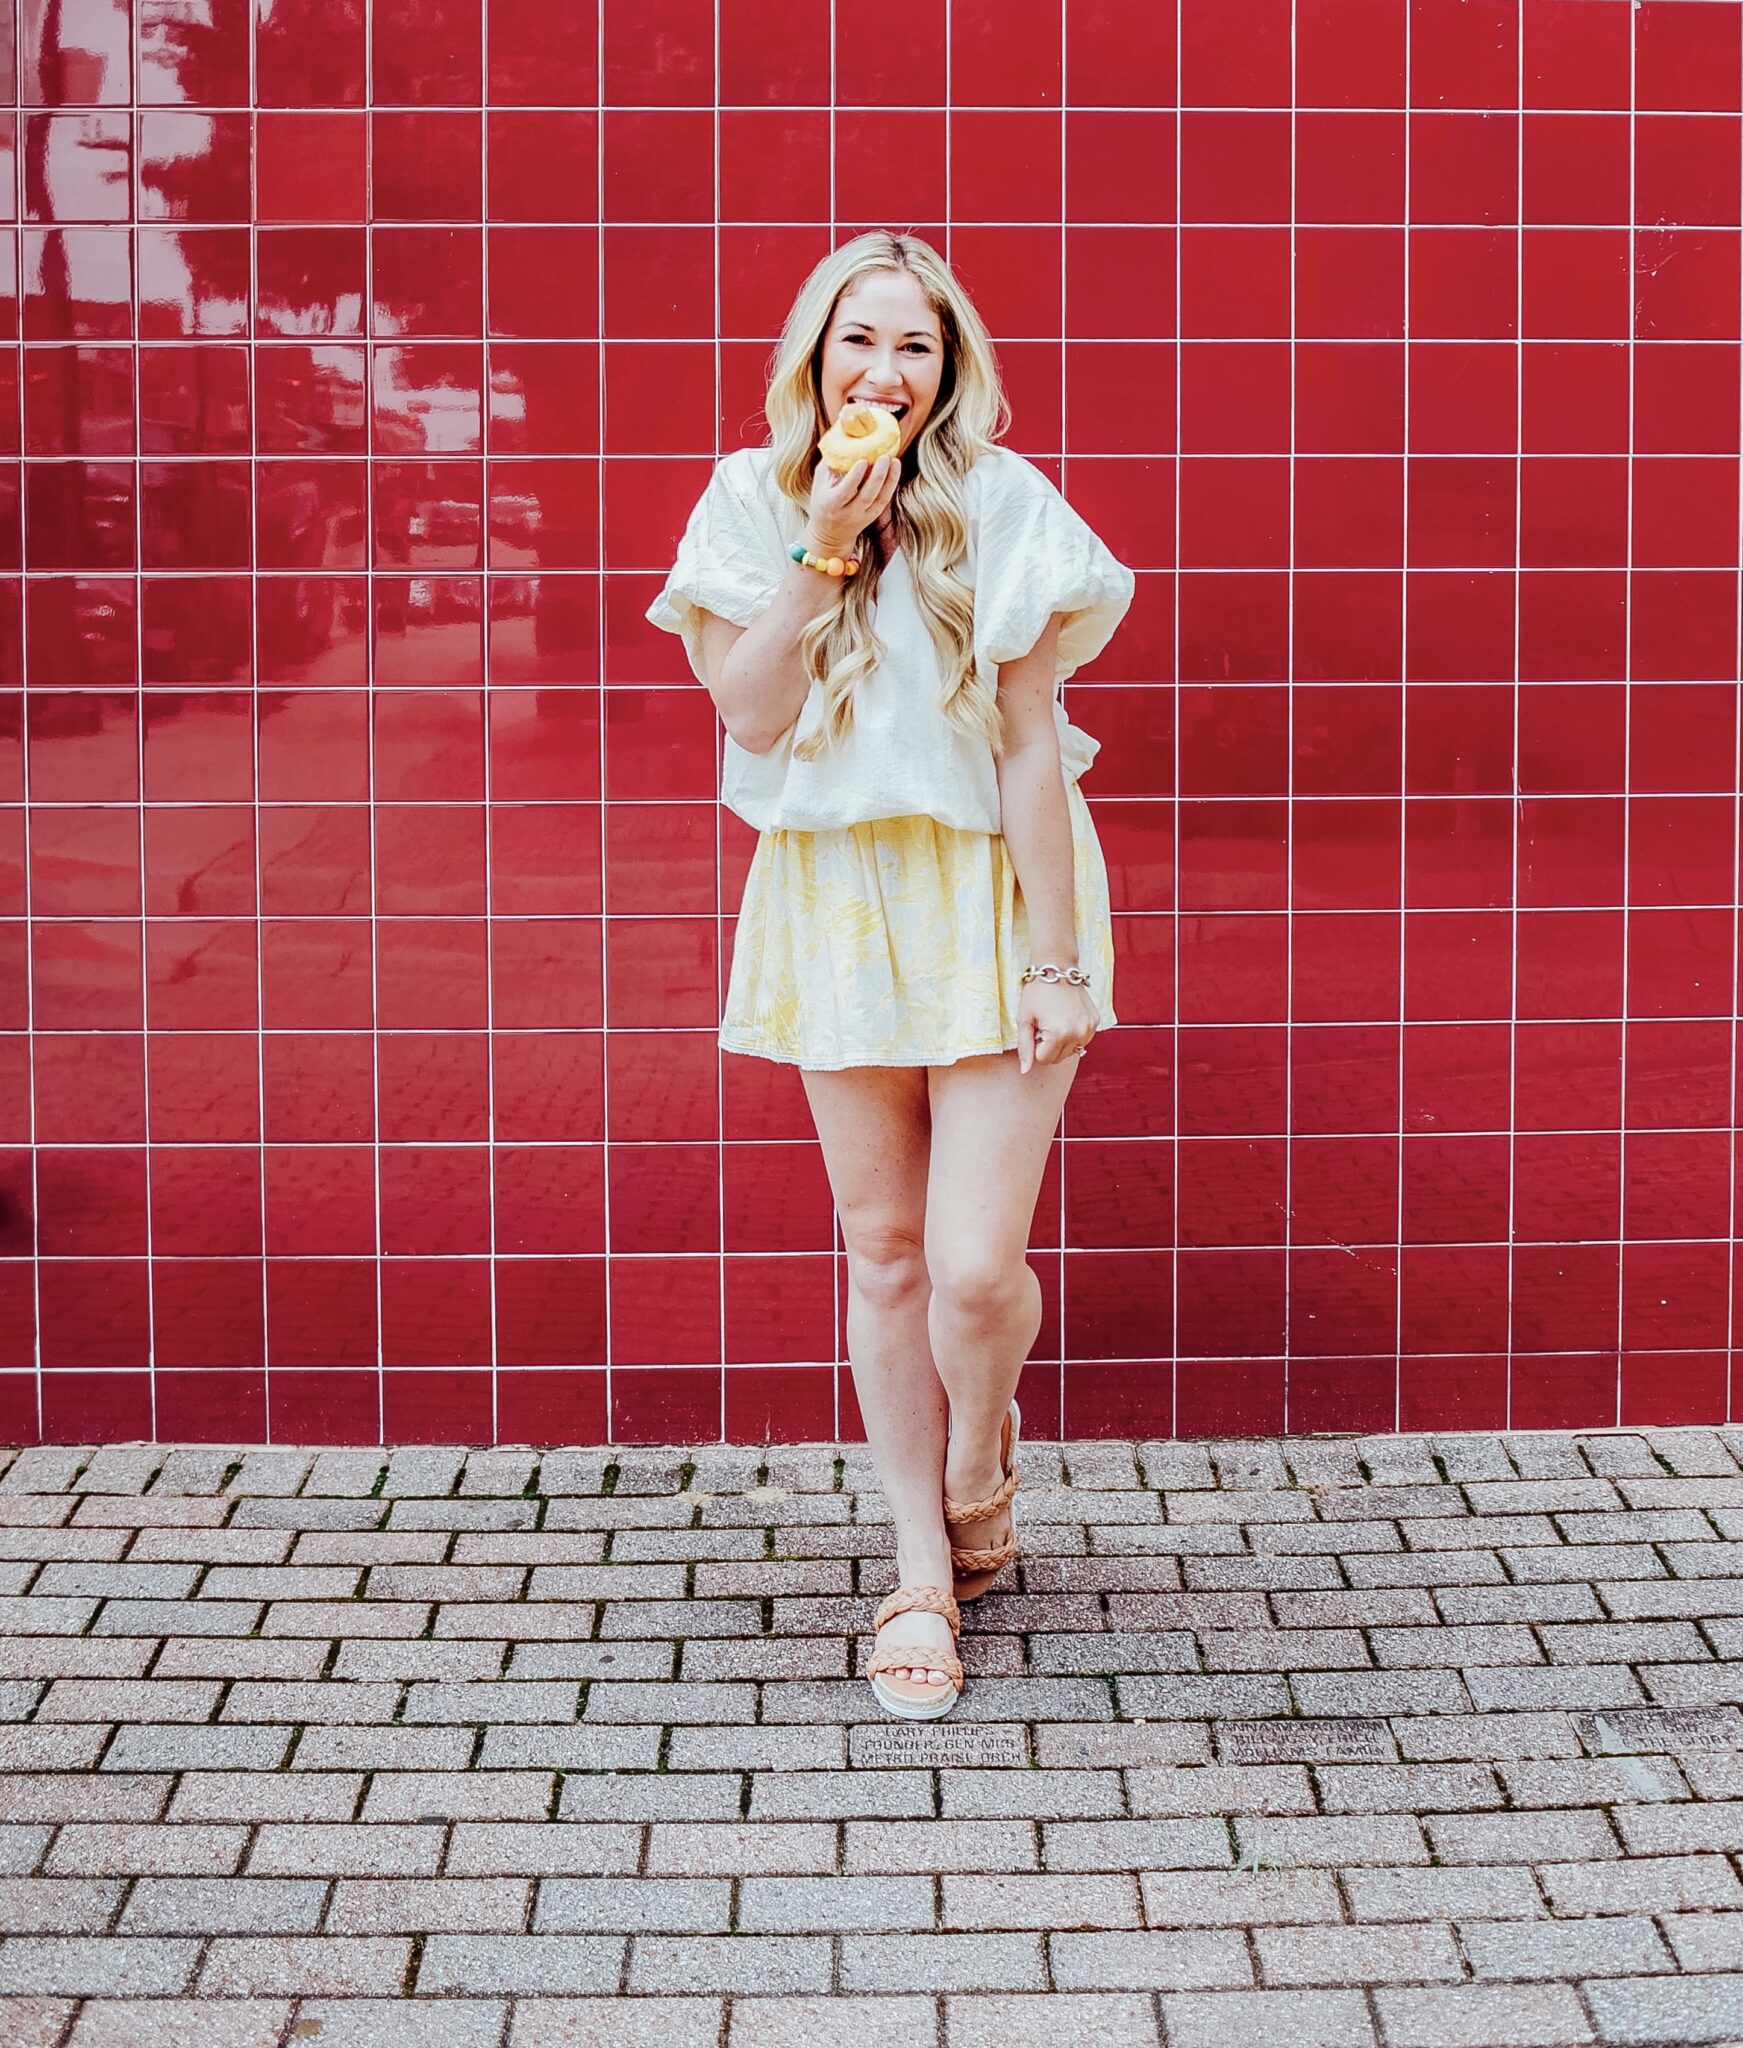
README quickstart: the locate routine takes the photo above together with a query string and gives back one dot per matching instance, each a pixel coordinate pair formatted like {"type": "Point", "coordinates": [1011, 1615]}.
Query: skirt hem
{"type": "Point", "coordinates": [942, 1059]}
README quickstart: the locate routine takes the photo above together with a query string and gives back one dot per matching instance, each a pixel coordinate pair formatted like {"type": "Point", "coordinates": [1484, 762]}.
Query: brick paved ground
{"type": "Point", "coordinates": [1430, 1743]}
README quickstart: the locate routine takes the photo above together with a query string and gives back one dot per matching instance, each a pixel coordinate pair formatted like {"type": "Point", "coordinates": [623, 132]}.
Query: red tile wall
{"type": "Point", "coordinates": [367, 907]}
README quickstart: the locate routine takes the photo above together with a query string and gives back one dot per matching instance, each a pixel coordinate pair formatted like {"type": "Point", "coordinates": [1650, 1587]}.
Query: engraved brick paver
{"type": "Point", "coordinates": [1390, 1742]}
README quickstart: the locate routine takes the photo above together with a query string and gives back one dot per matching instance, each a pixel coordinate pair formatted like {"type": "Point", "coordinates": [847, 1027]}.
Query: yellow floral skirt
{"type": "Point", "coordinates": [897, 943]}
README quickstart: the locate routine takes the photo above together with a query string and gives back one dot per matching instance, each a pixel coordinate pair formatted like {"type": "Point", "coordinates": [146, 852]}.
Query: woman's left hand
{"type": "Point", "coordinates": [1055, 1021]}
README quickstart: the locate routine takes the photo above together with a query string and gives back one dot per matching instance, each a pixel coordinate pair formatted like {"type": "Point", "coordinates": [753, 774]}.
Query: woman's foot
{"type": "Point", "coordinates": [918, 1627]}
{"type": "Point", "coordinates": [974, 1473]}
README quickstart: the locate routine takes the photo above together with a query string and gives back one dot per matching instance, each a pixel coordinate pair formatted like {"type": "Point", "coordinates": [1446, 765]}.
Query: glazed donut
{"type": "Point", "coordinates": [861, 433]}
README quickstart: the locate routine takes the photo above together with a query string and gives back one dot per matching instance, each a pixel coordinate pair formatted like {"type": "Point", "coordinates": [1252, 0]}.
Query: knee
{"type": "Point", "coordinates": [977, 1284]}
{"type": "Point", "coordinates": [887, 1263]}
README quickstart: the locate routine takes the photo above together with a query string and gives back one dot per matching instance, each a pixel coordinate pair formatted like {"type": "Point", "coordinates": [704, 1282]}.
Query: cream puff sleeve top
{"type": "Point", "coordinates": [1029, 555]}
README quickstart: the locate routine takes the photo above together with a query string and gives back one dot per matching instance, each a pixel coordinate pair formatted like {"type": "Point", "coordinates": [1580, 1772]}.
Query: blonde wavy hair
{"type": "Point", "coordinates": [839, 647]}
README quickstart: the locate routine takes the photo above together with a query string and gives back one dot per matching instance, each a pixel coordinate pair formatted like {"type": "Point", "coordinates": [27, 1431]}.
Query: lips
{"type": "Point", "coordinates": [894, 407]}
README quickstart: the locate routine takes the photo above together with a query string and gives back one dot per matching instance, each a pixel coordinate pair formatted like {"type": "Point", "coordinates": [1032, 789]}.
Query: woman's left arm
{"type": "Point", "coordinates": [1055, 1019]}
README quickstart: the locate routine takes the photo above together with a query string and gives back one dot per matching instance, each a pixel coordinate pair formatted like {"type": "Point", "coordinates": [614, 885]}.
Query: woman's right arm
{"type": "Point", "coordinates": [755, 674]}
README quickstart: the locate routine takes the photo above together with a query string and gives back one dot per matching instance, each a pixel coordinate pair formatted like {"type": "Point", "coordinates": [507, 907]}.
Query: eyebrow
{"type": "Point", "coordinates": [913, 333]}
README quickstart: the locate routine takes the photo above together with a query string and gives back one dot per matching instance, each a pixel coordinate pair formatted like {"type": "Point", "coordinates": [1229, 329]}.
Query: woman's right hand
{"type": "Point", "coordinates": [843, 506]}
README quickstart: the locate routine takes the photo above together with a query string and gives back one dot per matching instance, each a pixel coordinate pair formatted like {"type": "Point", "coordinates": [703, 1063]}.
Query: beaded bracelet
{"type": "Point", "coordinates": [831, 565]}
{"type": "Point", "coordinates": [1049, 972]}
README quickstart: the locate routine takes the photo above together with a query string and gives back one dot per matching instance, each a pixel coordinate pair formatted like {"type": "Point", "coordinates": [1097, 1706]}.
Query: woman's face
{"type": "Point", "coordinates": [884, 343]}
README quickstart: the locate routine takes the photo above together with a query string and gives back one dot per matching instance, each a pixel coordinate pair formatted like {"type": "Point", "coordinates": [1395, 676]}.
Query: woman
{"type": "Point", "coordinates": [884, 646]}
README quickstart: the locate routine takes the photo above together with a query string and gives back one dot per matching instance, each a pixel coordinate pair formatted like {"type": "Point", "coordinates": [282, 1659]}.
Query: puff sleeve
{"type": "Point", "coordinates": [730, 559]}
{"type": "Point", "coordinates": [1034, 555]}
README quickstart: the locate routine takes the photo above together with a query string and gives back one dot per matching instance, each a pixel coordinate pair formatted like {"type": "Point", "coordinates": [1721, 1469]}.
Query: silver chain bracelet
{"type": "Point", "coordinates": [1047, 971]}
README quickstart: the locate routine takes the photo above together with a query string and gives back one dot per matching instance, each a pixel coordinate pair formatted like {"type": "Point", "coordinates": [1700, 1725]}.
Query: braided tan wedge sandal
{"type": "Point", "coordinates": [972, 1571]}
{"type": "Point", "coordinates": [901, 1696]}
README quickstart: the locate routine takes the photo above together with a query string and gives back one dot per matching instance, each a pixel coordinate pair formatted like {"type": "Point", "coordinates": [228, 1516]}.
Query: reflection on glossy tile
{"type": "Point", "coordinates": [311, 281]}
{"type": "Point", "coordinates": [429, 630]}
{"type": "Point", "coordinates": [74, 52]}
{"type": "Point", "coordinates": [313, 630]}
{"type": "Point", "coordinates": [311, 53]}
{"type": "Point", "coordinates": [77, 283]}
{"type": "Point", "coordinates": [80, 515]}
{"type": "Point", "coordinates": [198, 748]}
{"type": "Point", "coordinates": [544, 629]}
{"type": "Point", "coordinates": [310, 400]}
{"type": "Point", "coordinates": [193, 57]}
{"type": "Point", "coordinates": [312, 515]}
{"type": "Point", "coordinates": [193, 167]}
{"type": "Point", "coordinates": [195, 515]}
{"type": "Point", "coordinates": [429, 515]}
{"type": "Point", "coordinates": [78, 401]}
{"type": "Point", "coordinates": [427, 281]}
{"type": "Point", "coordinates": [196, 629]}
{"type": "Point", "coordinates": [77, 167]}
{"type": "Point", "coordinates": [192, 282]}
{"type": "Point", "coordinates": [428, 399]}
{"type": "Point", "coordinates": [80, 631]}
{"type": "Point", "coordinates": [544, 515]}
{"type": "Point", "coordinates": [193, 400]}
{"type": "Point", "coordinates": [544, 397]}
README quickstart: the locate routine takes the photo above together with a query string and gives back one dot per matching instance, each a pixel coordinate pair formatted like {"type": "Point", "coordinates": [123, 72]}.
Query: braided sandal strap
{"type": "Point", "coordinates": [982, 1510]}
{"type": "Point", "coordinates": [920, 1600]}
{"type": "Point", "coordinates": [916, 1657]}
{"type": "Point", "coordinates": [995, 1559]}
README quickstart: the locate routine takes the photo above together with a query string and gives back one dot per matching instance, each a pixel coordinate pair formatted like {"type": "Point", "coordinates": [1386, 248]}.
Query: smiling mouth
{"type": "Point", "coordinates": [894, 408]}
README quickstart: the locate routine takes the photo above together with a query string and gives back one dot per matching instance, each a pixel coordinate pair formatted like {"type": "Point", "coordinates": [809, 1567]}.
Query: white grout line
{"type": "Point", "coordinates": [1173, 1032]}
{"type": "Point", "coordinates": [605, 1251]}
{"type": "Point", "coordinates": [720, 813]}
{"type": "Point", "coordinates": [1515, 806]}
{"type": "Point", "coordinates": [151, 1360]}
{"type": "Point", "coordinates": [1619, 1337]}
{"type": "Point", "coordinates": [1289, 1244]}
{"type": "Point", "coordinates": [372, 706]}
{"type": "Point", "coordinates": [493, 1275]}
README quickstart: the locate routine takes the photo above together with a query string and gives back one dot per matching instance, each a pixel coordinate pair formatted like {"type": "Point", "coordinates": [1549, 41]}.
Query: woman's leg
{"type": "Point", "coordinates": [875, 1131]}
{"type": "Point", "coordinates": [991, 1127]}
